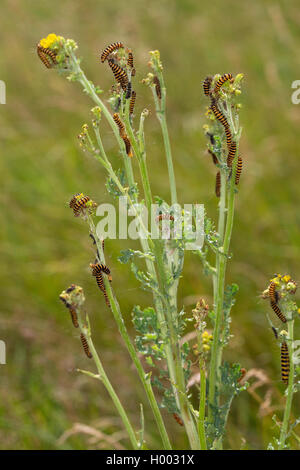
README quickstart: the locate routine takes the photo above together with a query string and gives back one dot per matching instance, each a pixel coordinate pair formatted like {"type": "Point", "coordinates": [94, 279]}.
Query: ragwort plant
{"type": "Point", "coordinates": [161, 327]}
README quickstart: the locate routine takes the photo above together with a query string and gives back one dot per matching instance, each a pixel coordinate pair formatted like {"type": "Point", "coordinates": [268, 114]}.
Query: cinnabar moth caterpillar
{"type": "Point", "coordinates": [44, 54]}
{"type": "Point", "coordinates": [273, 294]}
{"type": "Point", "coordinates": [109, 49]}
{"type": "Point", "coordinates": [70, 307]}
{"type": "Point", "coordinates": [119, 74]}
{"type": "Point", "coordinates": [223, 79]}
{"type": "Point", "coordinates": [228, 136]}
{"type": "Point", "coordinates": [78, 203]}
{"type": "Point", "coordinates": [85, 346]}
{"type": "Point", "coordinates": [130, 63]}
{"type": "Point", "coordinates": [231, 154]}
{"type": "Point", "coordinates": [99, 268]}
{"type": "Point", "coordinates": [213, 156]}
{"type": "Point", "coordinates": [218, 184]}
{"type": "Point", "coordinates": [278, 311]}
{"type": "Point", "coordinates": [127, 145]}
{"type": "Point", "coordinates": [275, 332]}
{"type": "Point", "coordinates": [218, 115]}
{"type": "Point", "coordinates": [70, 289]}
{"type": "Point", "coordinates": [206, 85]}
{"type": "Point", "coordinates": [157, 87]}
{"type": "Point", "coordinates": [285, 363]}
{"type": "Point", "coordinates": [132, 102]}
{"type": "Point", "coordinates": [119, 123]}
{"type": "Point", "coordinates": [161, 217]}
{"type": "Point", "coordinates": [100, 283]}
{"type": "Point", "coordinates": [128, 91]}
{"type": "Point", "coordinates": [238, 169]}
{"type": "Point", "coordinates": [74, 317]}
{"type": "Point", "coordinates": [178, 419]}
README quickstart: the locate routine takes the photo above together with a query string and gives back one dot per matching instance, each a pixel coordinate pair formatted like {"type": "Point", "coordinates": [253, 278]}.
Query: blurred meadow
{"type": "Point", "coordinates": [45, 403]}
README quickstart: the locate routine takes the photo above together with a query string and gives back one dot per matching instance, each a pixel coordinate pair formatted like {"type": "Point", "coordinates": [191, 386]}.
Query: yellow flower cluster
{"type": "Point", "coordinates": [206, 340]}
{"type": "Point", "coordinates": [49, 40]}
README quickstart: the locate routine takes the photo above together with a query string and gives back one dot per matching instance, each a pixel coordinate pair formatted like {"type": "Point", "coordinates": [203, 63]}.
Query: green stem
{"type": "Point", "coordinates": [106, 382]}
{"type": "Point", "coordinates": [221, 262]}
{"type": "Point", "coordinates": [160, 106]}
{"type": "Point", "coordinates": [201, 418]}
{"type": "Point", "coordinates": [289, 398]}
{"type": "Point", "coordinates": [145, 379]}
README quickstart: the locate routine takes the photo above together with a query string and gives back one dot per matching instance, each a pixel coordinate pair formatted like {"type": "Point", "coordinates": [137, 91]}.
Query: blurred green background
{"type": "Point", "coordinates": [45, 403]}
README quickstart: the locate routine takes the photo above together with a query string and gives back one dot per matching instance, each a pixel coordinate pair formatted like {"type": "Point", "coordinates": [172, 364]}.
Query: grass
{"type": "Point", "coordinates": [43, 248]}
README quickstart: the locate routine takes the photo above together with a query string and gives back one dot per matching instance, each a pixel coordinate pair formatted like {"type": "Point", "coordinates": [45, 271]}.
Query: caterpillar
{"type": "Point", "coordinates": [100, 283]}
{"type": "Point", "coordinates": [285, 363]}
{"type": "Point", "coordinates": [211, 138]}
{"type": "Point", "coordinates": [109, 49]}
{"type": "Point", "coordinates": [157, 87]}
{"type": "Point", "coordinates": [74, 317]}
{"type": "Point", "coordinates": [206, 85]}
{"type": "Point", "coordinates": [132, 102]}
{"type": "Point", "coordinates": [85, 346]}
{"type": "Point", "coordinates": [130, 63]}
{"type": "Point", "coordinates": [95, 243]}
{"type": "Point", "coordinates": [70, 307]}
{"type": "Point", "coordinates": [275, 332]}
{"type": "Point", "coordinates": [228, 136]}
{"type": "Point", "coordinates": [278, 311]}
{"type": "Point", "coordinates": [161, 217]}
{"type": "Point", "coordinates": [73, 200]}
{"type": "Point", "coordinates": [223, 79]}
{"type": "Point", "coordinates": [70, 289]}
{"type": "Point", "coordinates": [218, 184]}
{"type": "Point", "coordinates": [79, 203]}
{"type": "Point", "coordinates": [231, 154]}
{"type": "Point", "coordinates": [43, 52]}
{"type": "Point", "coordinates": [99, 268]}
{"type": "Point", "coordinates": [273, 294]}
{"type": "Point", "coordinates": [119, 123]}
{"type": "Point", "coordinates": [218, 115]}
{"type": "Point", "coordinates": [127, 145]}
{"type": "Point", "coordinates": [128, 91]}
{"type": "Point", "coordinates": [213, 156]}
{"type": "Point", "coordinates": [178, 419]}
{"type": "Point", "coordinates": [238, 169]}
{"type": "Point", "coordinates": [119, 74]}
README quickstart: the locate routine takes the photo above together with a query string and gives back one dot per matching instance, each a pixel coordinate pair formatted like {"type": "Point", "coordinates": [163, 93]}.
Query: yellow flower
{"type": "Point", "coordinates": [206, 347]}
{"type": "Point", "coordinates": [49, 40]}
{"type": "Point", "coordinates": [286, 278]}
{"type": "Point", "coordinates": [298, 311]}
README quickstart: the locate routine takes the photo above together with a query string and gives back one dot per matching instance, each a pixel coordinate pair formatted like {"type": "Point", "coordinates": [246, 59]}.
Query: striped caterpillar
{"type": "Point", "coordinates": [223, 79]}
{"type": "Point", "coordinates": [46, 53]}
{"type": "Point", "coordinates": [85, 346]}
{"type": "Point", "coordinates": [109, 49]}
{"type": "Point", "coordinates": [218, 184]}
{"type": "Point", "coordinates": [119, 74]}
{"type": "Point", "coordinates": [157, 87]}
{"type": "Point", "coordinates": [285, 363]}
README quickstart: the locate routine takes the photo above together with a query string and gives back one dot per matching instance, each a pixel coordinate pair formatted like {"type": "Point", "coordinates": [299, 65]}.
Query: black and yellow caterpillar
{"type": "Point", "coordinates": [109, 49]}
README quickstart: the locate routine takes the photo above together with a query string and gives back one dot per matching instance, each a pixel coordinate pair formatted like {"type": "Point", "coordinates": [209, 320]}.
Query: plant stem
{"type": "Point", "coordinates": [145, 378]}
{"type": "Point", "coordinates": [106, 382]}
{"type": "Point", "coordinates": [160, 106]}
{"type": "Point", "coordinates": [289, 398]}
{"type": "Point", "coordinates": [202, 401]}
